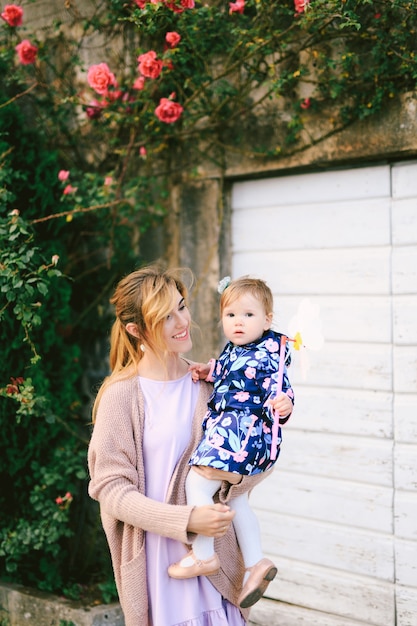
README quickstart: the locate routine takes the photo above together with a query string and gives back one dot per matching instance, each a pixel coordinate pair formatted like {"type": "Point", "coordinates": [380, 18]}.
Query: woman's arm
{"type": "Point", "coordinates": [117, 477]}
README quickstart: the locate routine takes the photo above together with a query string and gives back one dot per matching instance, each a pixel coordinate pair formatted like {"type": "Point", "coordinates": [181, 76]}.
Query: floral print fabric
{"type": "Point", "coordinates": [237, 427]}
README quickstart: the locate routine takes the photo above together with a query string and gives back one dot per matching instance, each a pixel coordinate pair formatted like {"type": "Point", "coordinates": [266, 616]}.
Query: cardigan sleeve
{"type": "Point", "coordinates": [115, 463]}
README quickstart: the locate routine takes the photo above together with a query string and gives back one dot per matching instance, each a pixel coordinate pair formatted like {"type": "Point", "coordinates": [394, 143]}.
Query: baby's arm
{"type": "Point", "coordinates": [202, 371]}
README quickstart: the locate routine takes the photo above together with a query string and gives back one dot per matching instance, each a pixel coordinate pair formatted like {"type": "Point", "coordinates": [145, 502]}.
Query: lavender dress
{"type": "Point", "coordinates": [169, 410]}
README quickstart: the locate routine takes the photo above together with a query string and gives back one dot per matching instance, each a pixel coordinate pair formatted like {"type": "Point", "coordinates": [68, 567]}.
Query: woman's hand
{"type": "Point", "coordinates": [212, 520]}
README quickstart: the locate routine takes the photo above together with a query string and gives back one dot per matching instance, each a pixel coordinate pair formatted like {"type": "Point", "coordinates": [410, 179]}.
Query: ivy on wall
{"type": "Point", "coordinates": [135, 90]}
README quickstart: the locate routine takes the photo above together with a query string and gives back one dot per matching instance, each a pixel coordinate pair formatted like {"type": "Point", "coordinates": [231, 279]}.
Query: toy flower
{"type": "Point", "coordinates": [298, 342]}
{"type": "Point", "coordinates": [306, 324]}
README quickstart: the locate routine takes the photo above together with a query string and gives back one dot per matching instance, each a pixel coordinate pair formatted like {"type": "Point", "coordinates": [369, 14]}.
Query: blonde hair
{"type": "Point", "coordinates": [144, 298]}
{"type": "Point", "coordinates": [240, 286]}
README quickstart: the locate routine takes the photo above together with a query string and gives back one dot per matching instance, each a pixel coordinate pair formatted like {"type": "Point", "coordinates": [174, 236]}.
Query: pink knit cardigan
{"type": "Point", "coordinates": [116, 468]}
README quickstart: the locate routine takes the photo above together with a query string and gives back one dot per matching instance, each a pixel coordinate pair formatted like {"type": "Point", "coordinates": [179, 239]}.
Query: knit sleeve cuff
{"type": "Point", "coordinates": [209, 378]}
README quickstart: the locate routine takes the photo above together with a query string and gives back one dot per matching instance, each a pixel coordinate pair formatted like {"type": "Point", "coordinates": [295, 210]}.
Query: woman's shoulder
{"type": "Point", "coordinates": [119, 389]}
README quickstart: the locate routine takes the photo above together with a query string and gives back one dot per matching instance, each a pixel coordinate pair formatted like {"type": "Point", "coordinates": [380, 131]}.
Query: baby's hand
{"type": "Point", "coordinates": [199, 371]}
{"type": "Point", "coordinates": [281, 404]}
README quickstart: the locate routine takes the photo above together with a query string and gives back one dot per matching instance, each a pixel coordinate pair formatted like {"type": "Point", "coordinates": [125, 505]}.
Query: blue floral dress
{"type": "Point", "coordinates": [237, 428]}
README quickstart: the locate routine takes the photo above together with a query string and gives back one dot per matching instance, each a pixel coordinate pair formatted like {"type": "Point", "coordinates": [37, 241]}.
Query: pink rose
{"type": "Point", "coordinates": [179, 7]}
{"type": "Point", "coordinates": [26, 52]}
{"type": "Point", "coordinates": [12, 14]}
{"type": "Point", "coordinates": [114, 95]}
{"type": "Point", "coordinates": [69, 189]}
{"type": "Point", "coordinates": [306, 103]}
{"type": "Point", "coordinates": [168, 111]}
{"type": "Point", "coordinates": [236, 7]}
{"type": "Point", "coordinates": [100, 78]}
{"type": "Point", "coordinates": [140, 3]}
{"type": "Point", "coordinates": [142, 152]}
{"type": "Point", "coordinates": [63, 175]}
{"type": "Point", "coordinates": [94, 110]}
{"type": "Point", "coordinates": [139, 83]}
{"type": "Point", "coordinates": [149, 65]}
{"type": "Point", "coordinates": [300, 5]}
{"type": "Point", "coordinates": [173, 39]}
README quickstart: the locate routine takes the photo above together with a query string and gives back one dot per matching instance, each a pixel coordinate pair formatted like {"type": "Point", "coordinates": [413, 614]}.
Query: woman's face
{"type": "Point", "coordinates": [176, 329]}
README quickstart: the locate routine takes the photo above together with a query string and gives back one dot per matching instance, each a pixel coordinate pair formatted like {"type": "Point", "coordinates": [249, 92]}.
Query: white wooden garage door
{"type": "Point", "coordinates": [339, 515]}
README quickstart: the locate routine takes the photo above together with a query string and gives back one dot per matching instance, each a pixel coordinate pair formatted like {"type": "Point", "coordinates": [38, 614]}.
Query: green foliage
{"type": "Point", "coordinates": [43, 500]}
{"type": "Point", "coordinates": [24, 279]}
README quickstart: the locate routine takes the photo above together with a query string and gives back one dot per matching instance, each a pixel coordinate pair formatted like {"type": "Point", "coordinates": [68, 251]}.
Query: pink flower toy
{"type": "Point", "coordinates": [305, 326]}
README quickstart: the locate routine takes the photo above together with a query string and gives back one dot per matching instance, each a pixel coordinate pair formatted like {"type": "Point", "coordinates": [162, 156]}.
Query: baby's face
{"type": "Point", "coordinates": [245, 319]}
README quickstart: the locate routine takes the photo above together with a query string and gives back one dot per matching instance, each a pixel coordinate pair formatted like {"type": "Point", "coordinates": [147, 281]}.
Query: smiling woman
{"type": "Point", "coordinates": [148, 416]}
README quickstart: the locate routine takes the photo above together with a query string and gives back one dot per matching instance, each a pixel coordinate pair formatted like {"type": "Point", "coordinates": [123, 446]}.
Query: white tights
{"type": "Point", "coordinates": [200, 491]}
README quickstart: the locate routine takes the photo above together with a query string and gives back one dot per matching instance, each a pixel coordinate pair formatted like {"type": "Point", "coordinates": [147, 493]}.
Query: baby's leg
{"type": "Point", "coordinates": [247, 530]}
{"type": "Point", "coordinates": [259, 571]}
{"type": "Point", "coordinates": [200, 491]}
